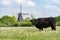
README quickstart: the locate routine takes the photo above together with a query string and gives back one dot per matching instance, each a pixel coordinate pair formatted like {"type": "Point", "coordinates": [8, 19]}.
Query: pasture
{"type": "Point", "coordinates": [28, 33]}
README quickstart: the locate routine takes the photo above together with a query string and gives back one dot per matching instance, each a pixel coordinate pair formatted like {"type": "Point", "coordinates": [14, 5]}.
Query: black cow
{"type": "Point", "coordinates": [41, 23]}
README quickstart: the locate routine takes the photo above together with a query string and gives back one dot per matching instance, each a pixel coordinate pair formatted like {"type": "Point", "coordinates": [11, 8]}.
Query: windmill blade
{"type": "Point", "coordinates": [25, 14]}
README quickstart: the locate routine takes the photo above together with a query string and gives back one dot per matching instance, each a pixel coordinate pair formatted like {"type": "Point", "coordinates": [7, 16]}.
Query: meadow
{"type": "Point", "coordinates": [28, 33]}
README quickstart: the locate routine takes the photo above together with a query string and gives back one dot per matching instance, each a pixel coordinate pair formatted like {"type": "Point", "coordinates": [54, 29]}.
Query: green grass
{"type": "Point", "coordinates": [28, 33]}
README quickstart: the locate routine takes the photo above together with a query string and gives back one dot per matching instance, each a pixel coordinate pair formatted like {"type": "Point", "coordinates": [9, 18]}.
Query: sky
{"type": "Point", "coordinates": [39, 8]}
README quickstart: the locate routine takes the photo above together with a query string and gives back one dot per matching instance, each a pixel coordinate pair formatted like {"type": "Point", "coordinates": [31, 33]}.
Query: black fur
{"type": "Point", "coordinates": [41, 23]}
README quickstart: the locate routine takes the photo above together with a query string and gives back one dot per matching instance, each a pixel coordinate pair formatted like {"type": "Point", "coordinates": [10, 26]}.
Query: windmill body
{"type": "Point", "coordinates": [20, 18]}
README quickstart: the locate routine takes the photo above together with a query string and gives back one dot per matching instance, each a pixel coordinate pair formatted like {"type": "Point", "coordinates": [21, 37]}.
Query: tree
{"type": "Point", "coordinates": [27, 19]}
{"type": "Point", "coordinates": [13, 19]}
{"type": "Point", "coordinates": [8, 20]}
{"type": "Point", "coordinates": [5, 19]}
{"type": "Point", "coordinates": [57, 18]}
{"type": "Point", "coordinates": [32, 16]}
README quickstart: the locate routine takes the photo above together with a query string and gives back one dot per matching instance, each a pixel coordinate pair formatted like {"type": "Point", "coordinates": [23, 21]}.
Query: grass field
{"type": "Point", "coordinates": [28, 33]}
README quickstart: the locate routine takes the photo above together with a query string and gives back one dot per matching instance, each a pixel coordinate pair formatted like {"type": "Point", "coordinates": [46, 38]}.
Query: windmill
{"type": "Point", "coordinates": [20, 17]}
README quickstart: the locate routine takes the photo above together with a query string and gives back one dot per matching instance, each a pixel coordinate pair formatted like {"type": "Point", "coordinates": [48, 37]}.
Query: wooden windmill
{"type": "Point", "coordinates": [20, 18]}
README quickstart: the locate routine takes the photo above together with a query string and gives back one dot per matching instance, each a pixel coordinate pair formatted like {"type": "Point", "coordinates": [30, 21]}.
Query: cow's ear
{"type": "Point", "coordinates": [30, 20]}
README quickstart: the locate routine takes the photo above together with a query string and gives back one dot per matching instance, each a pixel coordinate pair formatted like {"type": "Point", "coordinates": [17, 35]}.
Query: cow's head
{"type": "Point", "coordinates": [33, 21]}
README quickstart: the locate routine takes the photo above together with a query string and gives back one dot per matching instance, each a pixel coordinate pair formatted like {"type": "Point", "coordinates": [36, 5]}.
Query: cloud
{"type": "Point", "coordinates": [51, 10]}
{"type": "Point", "coordinates": [9, 11]}
{"type": "Point", "coordinates": [31, 3]}
{"type": "Point", "coordinates": [52, 7]}
{"type": "Point", "coordinates": [22, 2]}
{"type": "Point", "coordinates": [6, 2]}
{"type": "Point", "coordinates": [56, 1]}
{"type": "Point", "coordinates": [25, 2]}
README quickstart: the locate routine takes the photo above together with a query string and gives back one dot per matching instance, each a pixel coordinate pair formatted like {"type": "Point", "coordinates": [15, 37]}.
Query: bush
{"type": "Point", "coordinates": [17, 24]}
{"type": "Point", "coordinates": [58, 23]}
{"type": "Point", "coordinates": [2, 25]}
{"type": "Point", "coordinates": [26, 24]}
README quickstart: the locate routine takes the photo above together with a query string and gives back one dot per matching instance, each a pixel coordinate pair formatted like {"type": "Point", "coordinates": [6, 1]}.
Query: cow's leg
{"type": "Point", "coordinates": [53, 27]}
{"type": "Point", "coordinates": [41, 29]}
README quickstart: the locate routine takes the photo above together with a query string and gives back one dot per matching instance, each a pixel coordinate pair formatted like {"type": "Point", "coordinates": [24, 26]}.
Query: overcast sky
{"type": "Point", "coordinates": [39, 8]}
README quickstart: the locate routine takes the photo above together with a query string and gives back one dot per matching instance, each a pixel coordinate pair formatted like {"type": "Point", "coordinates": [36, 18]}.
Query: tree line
{"type": "Point", "coordinates": [10, 21]}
